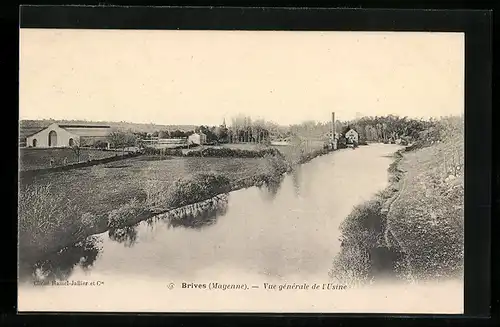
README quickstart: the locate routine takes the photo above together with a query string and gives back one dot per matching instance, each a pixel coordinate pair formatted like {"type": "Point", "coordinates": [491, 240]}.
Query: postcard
{"type": "Point", "coordinates": [241, 171]}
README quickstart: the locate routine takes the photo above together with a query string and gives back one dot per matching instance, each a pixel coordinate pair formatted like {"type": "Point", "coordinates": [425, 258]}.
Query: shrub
{"type": "Point", "coordinates": [173, 152]}
{"type": "Point", "coordinates": [43, 219]}
{"type": "Point", "coordinates": [100, 144]}
{"type": "Point", "coordinates": [127, 214]}
{"type": "Point", "coordinates": [89, 221]}
{"type": "Point", "coordinates": [228, 152]}
{"type": "Point", "coordinates": [351, 266]}
{"type": "Point", "coordinates": [363, 225]}
{"type": "Point", "coordinates": [198, 188]}
{"type": "Point", "coordinates": [276, 165]}
{"type": "Point", "coordinates": [156, 194]}
{"type": "Point", "coordinates": [362, 235]}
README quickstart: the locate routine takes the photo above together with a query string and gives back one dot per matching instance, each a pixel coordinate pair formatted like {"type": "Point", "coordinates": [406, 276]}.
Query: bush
{"type": "Point", "coordinates": [305, 157]}
{"type": "Point", "coordinates": [157, 198]}
{"type": "Point", "coordinates": [173, 152]}
{"type": "Point", "coordinates": [167, 151]}
{"type": "Point", "coordinates": [197, 188]}
{"type": "Point", "coordinates": [364, 225]}
{"type": "Point", "coordinates": [128, 214]}
{"type": "Point", "coordinates": [364, 252]}
{"type": "Point", "coordinates": [360, 233]}
{"type": "Point", "coordinates": [277, 165]}
{"type": "Point", "coordinates": [239, 153]}
{"type": "Point", "coordinates": [100, 144]}
{"type": "Point", "coordinates": [43, 220]}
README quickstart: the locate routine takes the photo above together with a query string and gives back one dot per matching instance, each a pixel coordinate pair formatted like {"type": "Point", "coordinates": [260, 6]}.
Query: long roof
{"type": "Point", "coordinates": [94, 132]}
{"type": "Point", "coordinates": [80, 130]}
{"type": "Point", "coordinates": [28, 131]}
{"type": "Point", "coordinates": [83, 126]}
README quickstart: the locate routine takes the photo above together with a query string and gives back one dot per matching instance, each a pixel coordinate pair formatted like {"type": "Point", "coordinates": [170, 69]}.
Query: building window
{"type": "Point", "coordinates": [34, 143]}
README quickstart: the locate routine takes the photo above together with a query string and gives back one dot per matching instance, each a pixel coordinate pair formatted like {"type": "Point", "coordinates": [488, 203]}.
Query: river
{"type": "Point", "coordinates": [285, 234]}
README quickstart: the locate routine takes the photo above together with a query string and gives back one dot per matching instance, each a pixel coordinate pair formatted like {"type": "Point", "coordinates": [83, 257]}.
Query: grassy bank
{"type": "Point", "coordinates": [58, 209]}
{"type": "Point", "coordinates": [427, 219]}
{"type": "Point", "coordinates": [414, 228]}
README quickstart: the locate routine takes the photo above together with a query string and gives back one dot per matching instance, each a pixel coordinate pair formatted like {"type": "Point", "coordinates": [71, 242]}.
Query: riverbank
{"type": "Point", "coordinates": [427, 219]}
{"type": "Point", "coordinates": [60, 209]}
{"type": "Point", "coordinates": [413, 229]}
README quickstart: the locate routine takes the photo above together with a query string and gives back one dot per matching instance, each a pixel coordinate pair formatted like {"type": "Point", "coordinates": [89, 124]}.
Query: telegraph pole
{"type": "Point", "coordinates": [334, 130]}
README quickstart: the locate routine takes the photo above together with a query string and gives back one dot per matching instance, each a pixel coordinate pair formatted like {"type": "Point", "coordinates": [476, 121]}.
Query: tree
{"type": "Point", "coordinates": [209, 132]}
{"type": "Point", "coordinates": [121, 140]}
{"type": "Point", "coordinates": [223, 134]}
{"type": "Point", "coordinates": [177, 134]}
{"type": "Point", "coordinates": [77, 150]}
{"type": "Point", "coordinates": [99, 144]}
{"type": "Point", "coordinates": [163, 135]}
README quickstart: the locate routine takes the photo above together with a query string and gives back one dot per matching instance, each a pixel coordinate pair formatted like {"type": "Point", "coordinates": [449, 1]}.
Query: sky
{"type": "Point", "coordinates": [202, 77]}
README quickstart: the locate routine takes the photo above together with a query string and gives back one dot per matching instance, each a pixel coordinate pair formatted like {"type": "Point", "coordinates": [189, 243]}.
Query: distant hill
{"type": "Point", "coordinates": [28, 127]}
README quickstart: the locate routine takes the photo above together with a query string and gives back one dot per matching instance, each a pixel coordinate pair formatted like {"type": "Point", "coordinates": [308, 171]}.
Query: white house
{"type": "Point", "coordinates": [352, 136]}
{"type": "Point", "coordinates": [197, 138]}
{"type": "Point", "coordinates": [65, 135]}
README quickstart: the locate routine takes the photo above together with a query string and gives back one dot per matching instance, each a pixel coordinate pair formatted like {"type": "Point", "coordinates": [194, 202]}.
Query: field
{"type": "Point", "coordinates": [30, 158]}
{"type": "Point", "coordinates": [57, 208]}
{"type": "Point", "coordinates": [102, 188]}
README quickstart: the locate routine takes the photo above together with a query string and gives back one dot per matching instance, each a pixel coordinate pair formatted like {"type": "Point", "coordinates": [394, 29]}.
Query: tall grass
{"type": "Point", "coordinates": [47, 218]}
{"type": "Point", "coordinates": [197, 188]}
{"type": "Point", "coordinates": [364, 253]}
{"type": "Point", "coordinates": [127, 214]}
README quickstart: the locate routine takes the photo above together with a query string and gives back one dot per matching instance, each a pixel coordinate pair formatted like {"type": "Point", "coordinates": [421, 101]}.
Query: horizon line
{"type": "Point", "coordinates": [195, 124]}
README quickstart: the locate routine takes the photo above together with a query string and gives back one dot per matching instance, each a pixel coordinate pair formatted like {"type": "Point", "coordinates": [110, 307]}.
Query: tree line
{"type": "Point", "coordinates": [392, 127]}
{"type": "Point", "coordinates": [244, 129]}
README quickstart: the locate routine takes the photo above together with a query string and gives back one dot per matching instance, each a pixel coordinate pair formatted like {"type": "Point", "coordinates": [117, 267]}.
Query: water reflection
{"type": "Point", "coordinates": [196, 216]}
{"type": "Point", "coordinates": [126, 235]}
{"type": "Point", "coordinates": [271, 187]}
{"type": "Point", "coordinates": [296, 181]}
{"type": "Point", "coordinates": [60, 265]}
{"type": "Point", "coordinates": [199, 219]}
{"type": "Point", "coordinates": [290, 235]}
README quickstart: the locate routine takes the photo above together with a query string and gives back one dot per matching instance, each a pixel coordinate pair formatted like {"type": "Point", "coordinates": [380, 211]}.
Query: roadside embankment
{"type": "Point", "coordinates": [414, 228]}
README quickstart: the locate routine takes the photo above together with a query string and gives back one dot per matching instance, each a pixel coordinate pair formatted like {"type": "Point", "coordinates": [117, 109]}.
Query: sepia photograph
{"type": "Point", "coordinates": [241, 171]}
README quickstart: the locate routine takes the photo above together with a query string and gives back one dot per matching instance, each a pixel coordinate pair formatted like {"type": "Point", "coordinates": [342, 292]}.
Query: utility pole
{"type": "Point", "coordinates": [334, 130]}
